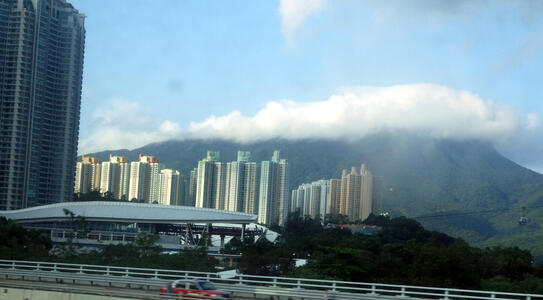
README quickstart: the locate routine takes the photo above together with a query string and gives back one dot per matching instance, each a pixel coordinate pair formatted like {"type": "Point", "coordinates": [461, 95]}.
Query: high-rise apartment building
{"type": "Point", "coordinates": [250, 187]}
{"type": "Point", "coordinates": [206, 180]}
{"type": "Point", "coordinates": [82, 184]}
{"type": "Point", "coordinates": [307, 199]}
{"type": "Point", "coordinates": [335, 196]}
{"type": "Point", "coordinates": [366, 193]}
{"type": "Point", "coordinates": [267, 197]}
{"type": "Point", "coordinates": [144, 179]}
{"type": "Point", "coordinates": [169, 187]}
{"type": "Point", "coordinates": [154, 174]}
{"type": "Point", "coordinates": [109, 178]}
{"type": "Point", "coordinates": [324, 198]}
{"type": "Point", "coordinates": [352, 195]}
{"type": "Point", "coordinates": [138, 178]}
{"type": "Point", "coordinates": [297, 200]}
{"type": "Point", "coordinates": [311, 199]}
{"type": "Point", "coordinates": [236, 196]}
{"type": "Point", "coordinates": [274, 196]}
{"type": "Point", "coordinates": [41, 67]}
{"type": "Point", "coordinates": [192, 185]}
{"type": "Point", "coordinates": [283, 195]}
{"type": "Point", "coordinates": [115, 177]}
{"type": "Point", "coordinates": [242, 184]}
{"type": "Point", "coordinates": [87, 175]}
{"type": "Point", "coordinates": [356, 193]}
{"type": "Point", "coordinates": [220, 186]}
{"type": "Point", "coordinates": [124, 180]}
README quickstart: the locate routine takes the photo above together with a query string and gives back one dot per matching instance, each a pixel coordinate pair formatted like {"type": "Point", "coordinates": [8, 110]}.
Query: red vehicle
{"type": "Point", "coordinates": [194, 287]}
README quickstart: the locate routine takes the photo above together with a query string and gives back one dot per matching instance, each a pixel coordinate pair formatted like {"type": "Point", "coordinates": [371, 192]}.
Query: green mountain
{"type": "Point", "coordinates": [463, 188]}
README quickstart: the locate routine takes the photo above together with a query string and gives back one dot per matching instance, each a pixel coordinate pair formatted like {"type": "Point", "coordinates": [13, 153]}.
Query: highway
{"type": "Point", "coordinates": [140, 283]}
{"type": "Point", "coordinates": [80, 289]}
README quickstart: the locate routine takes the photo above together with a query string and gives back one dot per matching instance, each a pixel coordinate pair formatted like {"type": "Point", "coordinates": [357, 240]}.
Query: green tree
{"type": "Point", "coordinates": [147, 244]}
{"type": "Point", "coordinates": [17, 242]}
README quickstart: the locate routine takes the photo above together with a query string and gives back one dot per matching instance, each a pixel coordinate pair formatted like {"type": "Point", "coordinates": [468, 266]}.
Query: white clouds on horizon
{"type": "Point", "coordinates": [125, 125]}
{"type": "Point", "coordinates": [294, 12]}
{"type": "Point", "coordinates": [352, 113]}
{"type": "Point", "coordinates": [356, 112]}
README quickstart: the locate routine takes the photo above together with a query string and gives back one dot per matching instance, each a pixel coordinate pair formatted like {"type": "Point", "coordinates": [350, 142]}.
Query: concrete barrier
{"type": "Point", "coordinates": [7, 293]}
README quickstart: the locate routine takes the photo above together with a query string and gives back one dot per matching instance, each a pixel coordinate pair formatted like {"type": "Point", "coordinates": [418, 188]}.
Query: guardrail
{"type": "Point", "coordinates": [256, 286]}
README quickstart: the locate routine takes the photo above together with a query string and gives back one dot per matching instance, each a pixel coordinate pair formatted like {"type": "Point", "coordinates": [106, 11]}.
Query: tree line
{"type": "Point", "coordinates": [402, 252]}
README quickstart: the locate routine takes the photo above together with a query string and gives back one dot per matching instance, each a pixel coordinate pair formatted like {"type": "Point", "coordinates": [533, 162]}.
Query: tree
{"type": "Point", "coordinates": [93, 195]}
{"type": "Point", "coordinates": [511, 262]}
{"type": "Point", "coordinates": [263, 258]}
{"type": "Point", "coordinates": [146, 244]}
{"type": "Point", "coordinates": [17, 242]}
{"type": "Point", "coordinates": [336, 219]}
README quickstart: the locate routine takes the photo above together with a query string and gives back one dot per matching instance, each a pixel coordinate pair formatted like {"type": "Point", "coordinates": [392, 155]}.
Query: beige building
{"type": "Point", "coordinates": [356, 194]}
{"type": "Point", "coordinates": [87, 175]}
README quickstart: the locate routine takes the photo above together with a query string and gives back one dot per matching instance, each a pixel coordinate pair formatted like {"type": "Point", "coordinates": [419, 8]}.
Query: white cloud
{"type": "Point", "coordinates": [294, 12]}
{"type": "Point", "coordinates": [355, 112]}
{"type": "Point", "coordinates": [125, 124]}
{"type": "Point", "coordinates": [351, 113]}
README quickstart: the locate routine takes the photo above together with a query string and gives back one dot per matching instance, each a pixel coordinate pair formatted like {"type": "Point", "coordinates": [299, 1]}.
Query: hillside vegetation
{"type": "Point", "coordinates": [403, 252]}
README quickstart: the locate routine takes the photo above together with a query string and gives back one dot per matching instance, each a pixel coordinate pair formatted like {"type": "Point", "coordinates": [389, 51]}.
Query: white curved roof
{"type": "Point", "coordinates": [127, 212]}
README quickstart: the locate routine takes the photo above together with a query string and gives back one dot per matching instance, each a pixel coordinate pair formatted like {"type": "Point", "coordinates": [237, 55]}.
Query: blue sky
{"type": "Point", "coordinates": [161, 69]}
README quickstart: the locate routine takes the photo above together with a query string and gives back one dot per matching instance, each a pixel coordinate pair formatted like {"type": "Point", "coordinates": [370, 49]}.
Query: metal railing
{"type": "Point", "coordinates": [151, 279]}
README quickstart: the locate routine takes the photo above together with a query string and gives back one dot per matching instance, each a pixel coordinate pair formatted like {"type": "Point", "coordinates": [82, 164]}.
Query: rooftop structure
{"type": "Point", "coordinates": [127, 212]}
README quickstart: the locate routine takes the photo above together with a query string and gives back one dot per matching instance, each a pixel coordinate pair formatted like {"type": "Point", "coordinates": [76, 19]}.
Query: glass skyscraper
{"type": "Point", "coordinates": [41, 65]}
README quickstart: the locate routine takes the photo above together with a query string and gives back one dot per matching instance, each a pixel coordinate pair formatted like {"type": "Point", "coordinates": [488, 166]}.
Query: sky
{"type": "Point", "coordinates": [252, 70]}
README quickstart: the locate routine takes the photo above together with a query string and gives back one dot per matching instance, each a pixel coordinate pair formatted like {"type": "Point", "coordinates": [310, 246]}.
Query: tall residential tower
{"type": "Point", "coordinates": [41, 67]}
{"type": "Point", "coordinates": [274, 196]}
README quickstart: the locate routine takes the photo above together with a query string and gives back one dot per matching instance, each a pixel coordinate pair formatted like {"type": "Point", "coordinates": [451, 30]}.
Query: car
{"type": "Point", "coordinates": [194, 287]}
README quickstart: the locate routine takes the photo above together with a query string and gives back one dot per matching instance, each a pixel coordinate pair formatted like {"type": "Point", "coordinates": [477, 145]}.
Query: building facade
{"type": "Point", "coordinates": [206, 180]}
{"type": "Point", "coordinates": [41, 67]}
{"type": "Point", "coordinates": [169, 187]}
{"type": "Point", "coordinates": [115, 177]}
{"type": "Point", "coordinates": [312, 199]}
{"type": "Point", "coordinates": [87, 175]}
{"type": "Point", "coordinates": [352, 195]}
{"type": "Point", "coordinates": [274, 195]}
{"type": "Point", "coordinates": [144, 179]}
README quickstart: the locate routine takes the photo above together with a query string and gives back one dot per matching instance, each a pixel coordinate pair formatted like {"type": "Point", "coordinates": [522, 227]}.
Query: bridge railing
{"type": "Point", "coordinates": [251, 283]}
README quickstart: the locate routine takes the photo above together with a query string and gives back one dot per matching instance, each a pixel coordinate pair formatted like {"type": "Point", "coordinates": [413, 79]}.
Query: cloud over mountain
{"type": "Point", "coordinates": [355, 112]}
{"type": "Point", "coordinates": [351, 113]}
